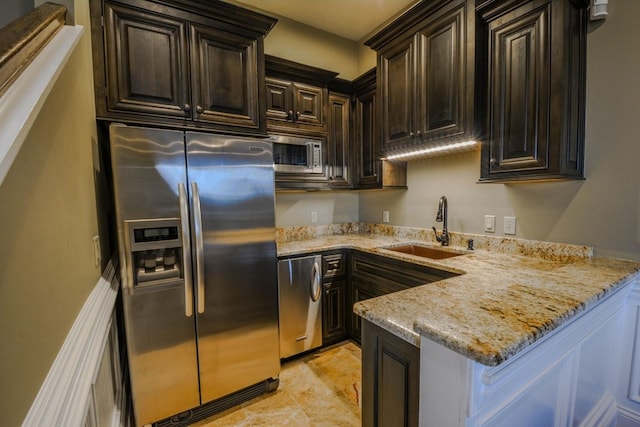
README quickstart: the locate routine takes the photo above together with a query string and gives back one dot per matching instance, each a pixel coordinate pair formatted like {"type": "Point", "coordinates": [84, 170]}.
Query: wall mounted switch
{"type": "Point", "coordinates": [97, 253]}
{"type": "Point", "coordinates": [510, 225]}
{"type": "Point", "coordinates": [490, 223]}
{"type": "Point", "coordinates": [385, 216]}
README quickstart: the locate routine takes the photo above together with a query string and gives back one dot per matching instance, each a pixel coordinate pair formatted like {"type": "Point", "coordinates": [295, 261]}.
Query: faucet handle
{"type": "Point", "coordinates": [438, 238]}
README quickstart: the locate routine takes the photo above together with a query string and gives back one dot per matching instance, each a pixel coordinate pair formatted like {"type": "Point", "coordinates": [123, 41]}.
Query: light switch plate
{"type": "Point", "coordinates": [490, 223]}
{"type": "Point", "coordinates": [314, 217]}
{"type": "Point", "coordinates": [510, 225]}
{"type": "Point", "coordinates": [385, 216]}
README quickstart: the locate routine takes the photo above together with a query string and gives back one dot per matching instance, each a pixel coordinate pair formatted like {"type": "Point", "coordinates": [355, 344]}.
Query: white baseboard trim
{"type": "Point", "coordinates": [603, 414]}
{"type": "Point", "coordinates": [62, 399]}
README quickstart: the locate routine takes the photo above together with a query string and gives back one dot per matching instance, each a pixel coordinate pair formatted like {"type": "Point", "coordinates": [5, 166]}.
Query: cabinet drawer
{"type": "Point", "coordinates": [333, 265]}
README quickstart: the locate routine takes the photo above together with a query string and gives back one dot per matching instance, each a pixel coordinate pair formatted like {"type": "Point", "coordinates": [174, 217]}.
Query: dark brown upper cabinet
{"type": "Point", "coordinates": [426, 75]}
{"type": "Point", "coordinates": [371, 172]}
{"type": "Point", "coordinates": [180, 63]}
{"type": "Point", "coordinates": [367, 143]}
{"type": "Point", "coordinates": [339, 156]}
{"type": "Point", "coordinates": [297, 96]}
{"type": "Point", "coordinates": [295, 103]}
{"type": "Point", "coordinates": [534, 68]}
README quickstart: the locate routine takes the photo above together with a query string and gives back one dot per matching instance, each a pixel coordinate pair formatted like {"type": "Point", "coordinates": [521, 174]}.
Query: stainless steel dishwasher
{"type": "Point", "coordinates": [299, 289]}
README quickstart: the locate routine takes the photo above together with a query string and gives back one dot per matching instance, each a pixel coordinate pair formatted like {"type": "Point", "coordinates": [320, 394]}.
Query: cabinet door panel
{"type": "Point", "coordinates": [520, 93]}
{"type": "Point", "coordinates": [308, 101]}
{"type": "Point", "coordinates": [397, 68]}
{"type": "Point", "coordinates": [334, 327]}
{"type": "Point", "coordinates": [278, 99]}
{"type": "Point", "coordinates": [360, 291]}
{"type": "Point", "coordinates": [225, 86]}
{"type": "Point", "coordinates": [390, 379]}
{"type": "Point", "coordinates": [368, 167]}
{"type": "Point", "coordinates": [442, 82]}
{"type": "Point", "coordinates": [146, 61]}
{"type": "Point", "coordinates": [339, 141]}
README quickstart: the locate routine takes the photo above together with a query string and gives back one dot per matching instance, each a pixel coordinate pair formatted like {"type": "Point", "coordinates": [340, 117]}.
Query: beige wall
{"type": "Point", "coordinates": [603, 211]}
{"type": "Point", "coordinates": [332, 207]}
{"type": "Point", "coordinates": [301, 43]}
{"type": "Point", "coordinates": [47, 220]}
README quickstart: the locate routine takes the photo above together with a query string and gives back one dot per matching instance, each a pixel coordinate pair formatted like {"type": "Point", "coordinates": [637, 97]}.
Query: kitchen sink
{"type": "Point", "coordinates": [423, 251]}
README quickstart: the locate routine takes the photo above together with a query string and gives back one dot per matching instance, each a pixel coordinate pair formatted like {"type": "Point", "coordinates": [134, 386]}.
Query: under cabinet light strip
{"type": "Point", "coordinates": [432, 150]}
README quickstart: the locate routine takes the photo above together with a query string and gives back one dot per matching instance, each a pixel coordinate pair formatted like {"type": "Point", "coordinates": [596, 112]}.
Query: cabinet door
{"type": "Point", "coordinates": [398, 93]}
{"type": "Point", "coordinates": [441, 86]}
{"type": "Point", "coordinates": [225, 78]}
{"type": "Point", "coordinates": [279, 99]}
{"type": "Point", "coordinates": [360, 291]}
{"type": "Point", "coordinates": [338, 144]}
{"type": "Point", "coordinates": [390, 379]}
{"type": "Point", "coordinates": [334, 325]}
{"type": "Point", "coordinates": [146, 62]}
{"type": "Point", "coordinates": [519, 91]}
{"type": "Point", "coordinates": [368, 163]}
{"type": "Point", "coordinates": [308, 102]}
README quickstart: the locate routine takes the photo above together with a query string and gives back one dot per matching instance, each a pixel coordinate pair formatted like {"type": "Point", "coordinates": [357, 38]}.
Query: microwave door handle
{"type": "Point", "coordinates": [309, 156]}
{"type": "Point", "coordinates": [186, 250]}
{"type": "Point", "coordinates": [197, 221]}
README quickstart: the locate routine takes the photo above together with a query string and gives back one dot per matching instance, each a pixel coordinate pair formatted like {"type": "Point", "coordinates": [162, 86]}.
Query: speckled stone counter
{"type": "Point", "coordinates": [509, 293]}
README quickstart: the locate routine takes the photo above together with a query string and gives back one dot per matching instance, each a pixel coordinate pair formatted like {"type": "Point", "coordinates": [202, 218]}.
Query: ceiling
{"type": "Point", "coordinates": [351, 19]}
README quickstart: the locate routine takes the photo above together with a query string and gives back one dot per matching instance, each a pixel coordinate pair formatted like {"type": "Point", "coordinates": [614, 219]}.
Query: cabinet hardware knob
{"type": "Point", "coordinates": [410, 133]}
{"type": "Point", "coordinates": [419, 133]}
{"type": "Point", "coordinates": [187, 108]}
{"type": "Point", "coordinates": [290, 115]}
{"type": "Point", "coordinates": [297, 113]}
{"type": "Point", "coordinates": [199, 109]}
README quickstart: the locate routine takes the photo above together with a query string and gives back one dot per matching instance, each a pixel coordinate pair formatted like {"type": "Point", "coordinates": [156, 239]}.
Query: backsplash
{"type": "Point", "coordinates": [551, 251]}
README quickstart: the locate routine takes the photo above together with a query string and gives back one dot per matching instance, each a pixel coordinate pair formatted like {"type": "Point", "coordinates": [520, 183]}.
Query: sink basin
{"type": "Point", "coordinates": [423, 251]}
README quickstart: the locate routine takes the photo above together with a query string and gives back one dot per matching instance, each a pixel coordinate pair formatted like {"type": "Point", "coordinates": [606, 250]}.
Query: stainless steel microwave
{"type": "Point", "coordinates": [294, 154]}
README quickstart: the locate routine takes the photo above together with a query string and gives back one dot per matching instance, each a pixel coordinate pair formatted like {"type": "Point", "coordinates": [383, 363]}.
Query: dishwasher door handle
{"type": "Point", "coordinates": [316, 289]}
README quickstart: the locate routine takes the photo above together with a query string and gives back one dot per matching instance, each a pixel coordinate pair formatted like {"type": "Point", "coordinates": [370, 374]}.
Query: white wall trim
{"type": "Point", "coordinates": [62, 399]}
{"type": "Point", "coordinates": [21, 103]}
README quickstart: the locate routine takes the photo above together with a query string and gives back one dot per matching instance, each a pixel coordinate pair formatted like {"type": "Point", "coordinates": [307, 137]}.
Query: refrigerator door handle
{"type": "Point", "coordinates": [315, 283]}
{"type": "Point", "coordinates": [186, 250]}
{"type": "Point", "coordinates": [197, 221]}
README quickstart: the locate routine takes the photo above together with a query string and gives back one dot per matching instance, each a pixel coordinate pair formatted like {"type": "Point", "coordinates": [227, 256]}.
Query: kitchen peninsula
{"type": "Point", "coordinates": [527, 333]}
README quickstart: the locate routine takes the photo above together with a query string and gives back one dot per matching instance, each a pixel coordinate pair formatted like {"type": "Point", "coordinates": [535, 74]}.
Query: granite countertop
{"type": "Point", "coordinates": [502, 301]}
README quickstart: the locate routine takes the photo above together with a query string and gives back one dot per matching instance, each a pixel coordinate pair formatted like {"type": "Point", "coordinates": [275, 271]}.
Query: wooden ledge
{"type": "Point", "coordinates": [22, 39]}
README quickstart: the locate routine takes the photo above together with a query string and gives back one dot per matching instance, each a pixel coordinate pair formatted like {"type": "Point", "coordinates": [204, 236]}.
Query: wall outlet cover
{"type": "Point", "coordinates": [385, 216]}
{"type": "Point", "coordinates": [510, 225]}
{"type": "Point", "coordinates": [314, 217]}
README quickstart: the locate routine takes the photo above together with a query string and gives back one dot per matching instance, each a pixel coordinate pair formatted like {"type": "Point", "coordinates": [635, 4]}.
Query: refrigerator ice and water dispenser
{"type": "Point", "coordinates": [155, 251]}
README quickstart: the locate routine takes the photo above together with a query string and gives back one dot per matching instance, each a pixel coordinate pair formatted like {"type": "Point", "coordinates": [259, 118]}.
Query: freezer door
{"type": "Point", "coordinates": [232, 192]}
{"type": "Point", "coordinates": [148, 166]}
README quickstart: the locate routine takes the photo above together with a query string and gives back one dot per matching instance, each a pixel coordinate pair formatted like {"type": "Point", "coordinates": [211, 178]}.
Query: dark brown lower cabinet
{"type": "Point", "coordinates": [334, 298]}
{"type": "Point", "coordinates": [334, 314]}
{"type": "Point", "coordinates": [390, 379]}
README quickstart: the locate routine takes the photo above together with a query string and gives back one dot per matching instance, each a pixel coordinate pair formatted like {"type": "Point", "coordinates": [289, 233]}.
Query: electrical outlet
{"type": "Point", "coordinates": [96, 250]}
{"type": "Point", "coordinates": [314, 217]}
{"type": "Point", "coordinates": [385, 216]}
{"type": "Point", "coordinates": [510, 225]}
{"type": "Point", "coordinates": [490, 223]}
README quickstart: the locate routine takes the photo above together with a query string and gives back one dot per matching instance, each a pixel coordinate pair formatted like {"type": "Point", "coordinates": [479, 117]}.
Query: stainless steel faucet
{"type": "Point", "coordinates": [442, 217]}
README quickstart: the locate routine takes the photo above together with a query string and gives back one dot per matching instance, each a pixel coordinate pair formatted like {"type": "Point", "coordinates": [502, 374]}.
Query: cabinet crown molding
{"type": "Point", "coordinates": [247, 19]}
{"type": "Point", "coordinates": [279, 67]}
{"type": "Point", "coordinates": [405, 22]}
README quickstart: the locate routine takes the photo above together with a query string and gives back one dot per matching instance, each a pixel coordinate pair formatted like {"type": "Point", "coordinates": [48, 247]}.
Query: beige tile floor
{"type": "Point", "coordinates": [319, 389]}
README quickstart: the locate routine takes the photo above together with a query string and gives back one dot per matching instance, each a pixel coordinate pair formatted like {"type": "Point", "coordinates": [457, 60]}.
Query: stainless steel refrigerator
{"type": "Point", "coordinates": [196, 237]}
